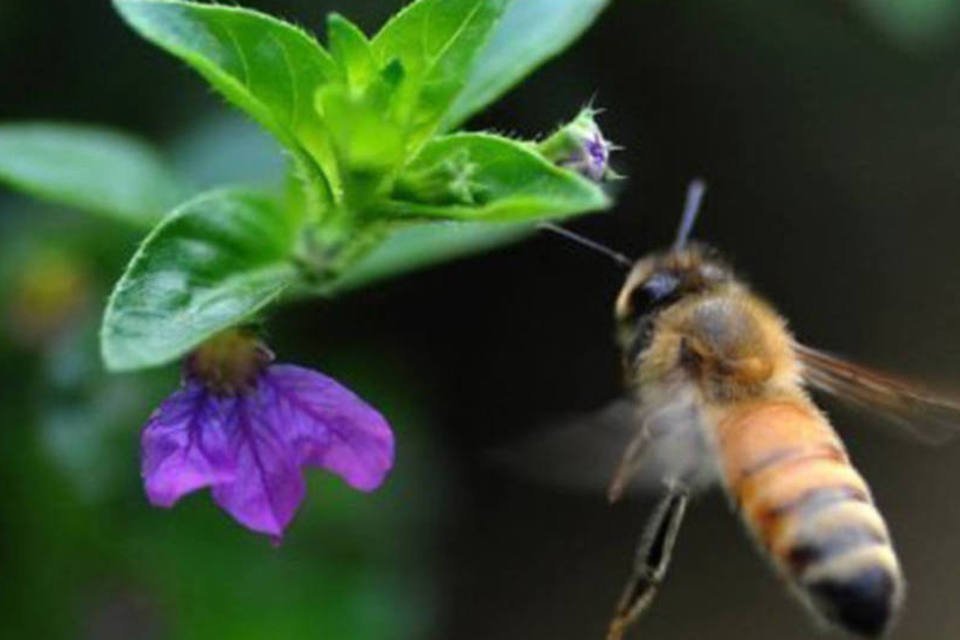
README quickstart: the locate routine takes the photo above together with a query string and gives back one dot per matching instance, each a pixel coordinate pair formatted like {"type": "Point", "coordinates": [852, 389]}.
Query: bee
{"type": "Point", "coordinates": [719, 393]}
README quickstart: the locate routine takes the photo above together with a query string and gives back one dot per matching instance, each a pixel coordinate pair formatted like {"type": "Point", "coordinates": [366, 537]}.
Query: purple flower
{"type": "Point", "coordinates": [580, 146]}
{"type": "Point", "coordinates": [593, 158]}
{"type": "Point", "coordinates": [245, 428]}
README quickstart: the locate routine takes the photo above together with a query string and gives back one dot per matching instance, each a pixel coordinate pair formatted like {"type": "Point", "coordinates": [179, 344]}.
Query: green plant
{"type": "Point", "coordinates": [379, 184]}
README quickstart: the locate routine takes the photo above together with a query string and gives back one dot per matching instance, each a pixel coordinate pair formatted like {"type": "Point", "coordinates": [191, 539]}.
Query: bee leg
{"type": "Point", "coordinates": [651, 561]}
{"type": "Point", "coordinates": [629, 463]}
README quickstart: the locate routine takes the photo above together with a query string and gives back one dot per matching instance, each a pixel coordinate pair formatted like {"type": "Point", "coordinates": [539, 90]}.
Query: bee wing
{"type": "Point", "coordinates": [578, 453]}
{"type": "Point", "coordinates": [607, 451]}
{"type": "Point", "coordinates": [926, 415]}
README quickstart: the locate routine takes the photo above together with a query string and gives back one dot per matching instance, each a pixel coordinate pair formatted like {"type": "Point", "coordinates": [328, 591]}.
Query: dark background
{"type": "Point", "coordinates": [831, 142]}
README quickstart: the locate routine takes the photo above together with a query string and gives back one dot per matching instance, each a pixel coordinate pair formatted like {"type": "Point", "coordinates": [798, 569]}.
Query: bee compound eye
{"type": "Point", "coordinates": [659, 289]}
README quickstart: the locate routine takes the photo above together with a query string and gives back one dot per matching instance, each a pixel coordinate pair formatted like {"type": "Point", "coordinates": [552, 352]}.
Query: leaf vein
{"type": "Point", "coordinates": [291, 79]}
{"type": "Point", "coordinates": [244, 64]}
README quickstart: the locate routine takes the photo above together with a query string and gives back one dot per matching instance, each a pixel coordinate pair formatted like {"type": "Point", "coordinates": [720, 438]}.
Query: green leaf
{"type": "Point", "coordinates": [368, 141]}
{"type": "Point", "coordinates": [529, 33]}
{"type": "Point", "coordinates": [436, 42]}
{"type": "Point", "coordinates": [364, 138]}
{"type": "Point", "coordinates": [213, 263]}
{"type": "Point", "coordinates": [266, 67]}
{"type": "Point", "coordinates": [351, 50]}
{"type": "Point", "coordinates": [478, 176]}
{"type": "Point", "coordinates": [424, 245]}
{"type": "Point", "coordinates": [90, 168]}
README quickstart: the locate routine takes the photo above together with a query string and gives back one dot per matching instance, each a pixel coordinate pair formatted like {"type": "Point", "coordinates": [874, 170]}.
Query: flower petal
{"type": "Point", "coordinates": [268, 486]}
{"type": "Point", "coordinates": [328, 426]}
{"type": "Point", "coordinates": [184, 445]}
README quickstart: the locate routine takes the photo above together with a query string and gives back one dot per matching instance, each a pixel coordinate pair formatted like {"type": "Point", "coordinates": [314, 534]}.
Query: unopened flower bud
{"type": "Point", "coordinates": [580, 146]}
{"type": "Point", "coordinates": [448, 182]}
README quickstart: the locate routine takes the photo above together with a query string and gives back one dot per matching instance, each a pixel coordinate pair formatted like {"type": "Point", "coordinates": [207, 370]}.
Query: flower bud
{"type": "Point", "coordinates": [579, 145]}
{"type": "Point", "coordinates": [448, 182]}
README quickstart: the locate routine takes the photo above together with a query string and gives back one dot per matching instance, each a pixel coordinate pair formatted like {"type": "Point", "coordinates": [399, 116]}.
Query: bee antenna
{"type": "Point", "coordinates": [586, 242]}
{"type": "Point", "coordinates": [691, 209]}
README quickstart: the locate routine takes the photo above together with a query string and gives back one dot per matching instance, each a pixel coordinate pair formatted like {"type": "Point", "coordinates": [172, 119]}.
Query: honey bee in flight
{"type": "Point", "coordinates": [719, 393]}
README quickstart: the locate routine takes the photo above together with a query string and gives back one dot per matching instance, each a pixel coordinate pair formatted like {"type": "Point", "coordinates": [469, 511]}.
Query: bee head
{"type": "Point", "coordinates": [661, 279]}
{"type": "Point", "coordinates": [658, 281]}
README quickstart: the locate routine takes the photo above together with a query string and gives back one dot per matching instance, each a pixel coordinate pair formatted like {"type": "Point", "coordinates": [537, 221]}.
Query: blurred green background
{"type": "Point", "coordinates": [830, 135]}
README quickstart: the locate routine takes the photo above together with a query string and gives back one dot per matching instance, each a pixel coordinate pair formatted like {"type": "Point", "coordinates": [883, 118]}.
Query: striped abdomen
{"type": "Point", "coordinates": [788, 472]}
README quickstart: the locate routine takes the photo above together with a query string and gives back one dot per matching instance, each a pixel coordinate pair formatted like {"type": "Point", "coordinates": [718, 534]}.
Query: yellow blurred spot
{"type": "Point", "coordinates": [48, 295]}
